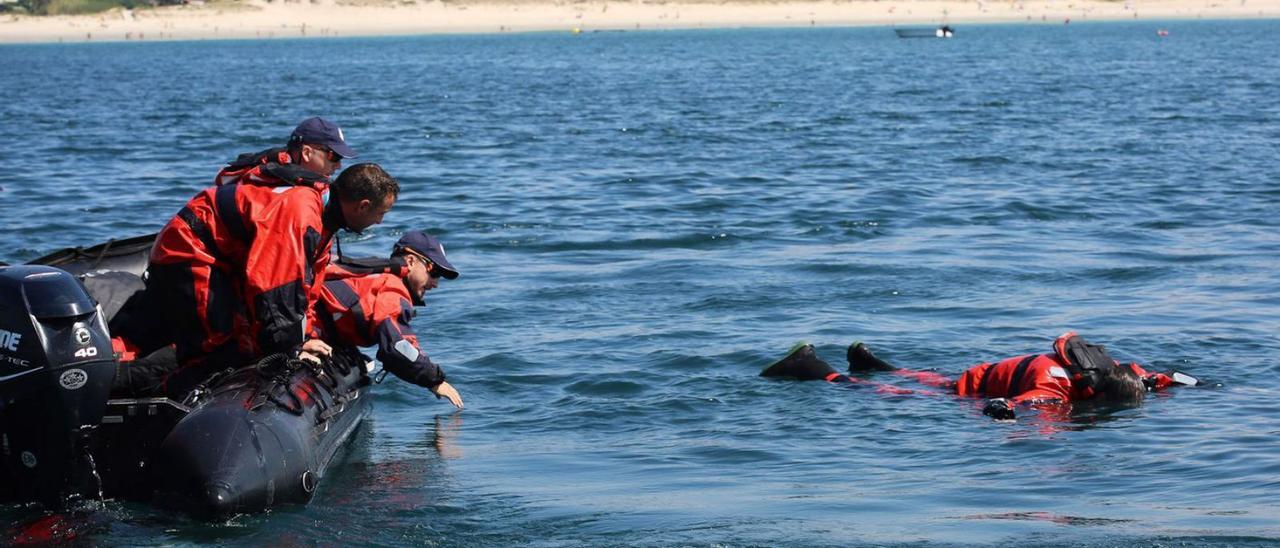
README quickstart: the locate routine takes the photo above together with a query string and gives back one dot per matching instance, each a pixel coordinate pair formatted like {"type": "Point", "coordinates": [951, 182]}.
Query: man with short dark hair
{"type": "Point", "coordinates": [231, 276]}
{"type": "Point", "coordinates": [365, 304]}
{"type": "Point", "coordinates": [369, 192]}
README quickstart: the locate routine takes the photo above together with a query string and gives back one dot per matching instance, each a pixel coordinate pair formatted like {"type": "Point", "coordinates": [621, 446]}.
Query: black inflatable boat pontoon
{"type": "Point", "coordinates": [247, 440]}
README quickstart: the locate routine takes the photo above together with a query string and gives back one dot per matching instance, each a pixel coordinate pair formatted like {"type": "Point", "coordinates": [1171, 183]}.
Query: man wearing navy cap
{"type": "Point", "coordinates": [317, 146]}
{"type": "Point", "coordinates": [231, 276]}
{"type": "Point", "coordinates": [364, 303]}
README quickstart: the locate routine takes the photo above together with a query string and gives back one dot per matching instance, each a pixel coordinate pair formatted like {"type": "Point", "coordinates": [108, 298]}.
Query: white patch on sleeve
{"type": "Point", "coordinates": [1058, 372]}
{"type": "Point", "coordinates": [338, 315]}
{"type": "Point", "coordinates": [406, 349]}
{"type": "Point", "coordinates": [1184, 379]}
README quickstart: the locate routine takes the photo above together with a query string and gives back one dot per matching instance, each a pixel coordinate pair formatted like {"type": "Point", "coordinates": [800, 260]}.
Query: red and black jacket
{"type": "Point", "coordinates": [270, 231]}
{"type": "Point", "coordinates": [251, 162]}
{"type": "Point", "coordinates": [1037, 378]}
{"type": "Point", "coordinates": [360, 309]}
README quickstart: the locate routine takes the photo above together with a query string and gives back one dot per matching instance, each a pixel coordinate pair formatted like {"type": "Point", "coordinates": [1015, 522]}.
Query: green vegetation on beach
{"type": "Point", "coordinates": [77, 7]}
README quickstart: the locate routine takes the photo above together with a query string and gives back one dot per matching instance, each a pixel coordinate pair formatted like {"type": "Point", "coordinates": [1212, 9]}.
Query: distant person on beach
{"type": "Point", "coordinates": [367, 303]}
{"type": "Point", "coordinates": [231, 276]}
{"type": "Point", "coordinates": [1075, 371]}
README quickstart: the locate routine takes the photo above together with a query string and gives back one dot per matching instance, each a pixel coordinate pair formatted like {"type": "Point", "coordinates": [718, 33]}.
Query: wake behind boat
{"type": "Point", "coordinates": [245, 440]}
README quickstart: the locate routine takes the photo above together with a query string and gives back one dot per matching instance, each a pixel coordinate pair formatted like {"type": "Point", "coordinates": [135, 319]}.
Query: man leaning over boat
{"type": "Point", "coordinates": [231, 276]}
{"type": "Point", "coordinates": [371, 302]}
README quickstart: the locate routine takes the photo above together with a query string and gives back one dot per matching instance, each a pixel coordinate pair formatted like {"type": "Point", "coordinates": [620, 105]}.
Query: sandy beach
{"type": "Point", "coordinates": [259, 19]}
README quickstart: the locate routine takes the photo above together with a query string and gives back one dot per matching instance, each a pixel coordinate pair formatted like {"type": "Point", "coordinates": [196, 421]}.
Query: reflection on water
{"type": "Point", "coordinates": [445, 436]}
{"type": "Point", "coordinates": [81, 520]}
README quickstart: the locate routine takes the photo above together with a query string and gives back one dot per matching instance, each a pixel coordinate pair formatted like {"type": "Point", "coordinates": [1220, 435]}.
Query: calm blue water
{"type": "Point", "coordinates": [645, 220]}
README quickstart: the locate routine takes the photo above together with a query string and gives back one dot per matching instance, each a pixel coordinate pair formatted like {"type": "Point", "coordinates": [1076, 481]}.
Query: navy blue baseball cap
{"type": "Point", "coordinates": [318, 131]}
{"type": "Point", "coordinates": [428, 246]}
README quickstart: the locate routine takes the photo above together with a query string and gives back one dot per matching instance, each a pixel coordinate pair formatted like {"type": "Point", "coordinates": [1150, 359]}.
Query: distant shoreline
{"type": "Point", "coordinates": [260, 20]}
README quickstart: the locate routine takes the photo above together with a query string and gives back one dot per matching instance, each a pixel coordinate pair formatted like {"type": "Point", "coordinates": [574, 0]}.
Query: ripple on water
{"type": "Point", "coordinates": [644, 221]}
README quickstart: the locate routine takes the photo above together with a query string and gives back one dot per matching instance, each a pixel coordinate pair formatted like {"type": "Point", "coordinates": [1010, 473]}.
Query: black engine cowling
{"type": "Point", "coordinates": [56, 369]}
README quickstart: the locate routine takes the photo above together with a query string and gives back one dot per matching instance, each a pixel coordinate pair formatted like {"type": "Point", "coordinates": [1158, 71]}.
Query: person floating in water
{"type": "Point", "coordinates": [1075, 371]}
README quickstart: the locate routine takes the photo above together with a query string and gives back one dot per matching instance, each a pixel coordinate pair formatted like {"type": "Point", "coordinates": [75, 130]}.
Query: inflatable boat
{"type": "Point", "coordinates": [246, 440]}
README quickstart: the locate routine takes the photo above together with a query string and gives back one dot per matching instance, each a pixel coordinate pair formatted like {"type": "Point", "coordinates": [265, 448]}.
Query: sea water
{"type": "Point", "coordinates": [645, 220]}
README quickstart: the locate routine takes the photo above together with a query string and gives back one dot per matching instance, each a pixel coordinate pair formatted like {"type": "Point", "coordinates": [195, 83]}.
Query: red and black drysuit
{"type": "Point", "coordinates": [1033, 378]}
{"type": "Point", "coordinates": [249, 162]}
{"type": "Point", "coordinates": [233, 274]}
{"type": "Point", "coordinates": [358, 309]}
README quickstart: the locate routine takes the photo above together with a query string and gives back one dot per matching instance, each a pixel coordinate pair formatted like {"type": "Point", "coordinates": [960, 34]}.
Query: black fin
{"type": "Point", "coordinates": [861, 359]}
{"type": "Point", "coordinates": [802, 363]}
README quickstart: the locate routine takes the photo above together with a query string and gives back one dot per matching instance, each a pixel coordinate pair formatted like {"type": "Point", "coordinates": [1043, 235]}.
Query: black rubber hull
{"type": "Point", "coordinates": [251, 440]}
{"type": "Point", "coordinates": [127, 255]}
{"type": "Point", "coordinates": [260, 441]}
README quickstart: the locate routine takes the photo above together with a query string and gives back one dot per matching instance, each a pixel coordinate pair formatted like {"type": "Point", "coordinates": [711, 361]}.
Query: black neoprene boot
{"type": "Point", "coordinates": [861, 359]}
{"type": "Point", "coordinates": [801, 363]}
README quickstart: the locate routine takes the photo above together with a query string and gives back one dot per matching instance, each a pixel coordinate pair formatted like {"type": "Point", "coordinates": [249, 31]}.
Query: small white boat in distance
{"type": "Point", "coordinates": [945, 31]}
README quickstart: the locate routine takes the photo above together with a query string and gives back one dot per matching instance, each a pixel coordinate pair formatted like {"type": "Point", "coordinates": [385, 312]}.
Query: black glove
{"type": "Point", "coordinates": [999, 409]}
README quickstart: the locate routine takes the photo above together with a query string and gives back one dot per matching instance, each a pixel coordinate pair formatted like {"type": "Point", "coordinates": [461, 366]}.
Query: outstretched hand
{"type": "Point", "coordinates": [999, 409]}
{"type": "Point", "coordinates": [447, 391]}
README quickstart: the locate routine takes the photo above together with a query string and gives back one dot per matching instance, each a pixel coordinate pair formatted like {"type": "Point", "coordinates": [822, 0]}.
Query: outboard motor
{"type": "Point", "coordinates": [56, 369]}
